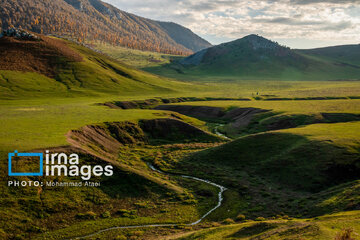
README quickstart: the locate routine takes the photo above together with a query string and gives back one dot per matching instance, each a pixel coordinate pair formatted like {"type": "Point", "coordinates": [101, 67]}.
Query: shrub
{"type": "Point", "coordinates": [122, 211]}
{"type": "Point", "coordinates": [260, 219]}
{"type": "Point", "coordinates": [345, 234]}
{"type": "Point", "coordinates": [34, 229]}
{"type": "Point", "coordinates": [3, 234]}
{"type": "Point", "coordinates": [88, 215]}
{"type": "Point", "coordinates": [141, 204]}
{"type": "Point", "coordinates": [120, 237]}
{"type": "Point", "coordinates": [138, 233]}
{"type": "Point", "coordinates": [215, 224]}
{"type": "Point", "coordinates": [228, 221]}
{"type": "Point", "coordinates": [106, 214]}
{"type": "Point", "coordinates": [240, 217]}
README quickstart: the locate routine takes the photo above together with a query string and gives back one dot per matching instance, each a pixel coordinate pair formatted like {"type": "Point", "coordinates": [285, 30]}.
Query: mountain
{"type": "Point", "coordinates": [184, 36]}
{"type": "Point", "coordinates": [90, 20]}
{"type": "Point", "coordinates": [253, 47]}
{"type": "Point", "coordinates": [45, 66]}
{"type": "Point", "coordinates": [349, 54]}
{"type": "Point", "coordinates": [255, 57]}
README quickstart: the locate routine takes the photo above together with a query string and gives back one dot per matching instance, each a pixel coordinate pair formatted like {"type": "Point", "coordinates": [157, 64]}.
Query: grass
{"type": "Point", "coordinates": [136, 58]}
{"type": "Point", "coordinates": [45, 125]}
{"type": "Point", "coordinates": [326, 227]}
{"type": "Point", "coordinates": [295, 176]}
{"type": "Point", "coordinates": [238, 59]}
{"type": "Point", "coordinates": [283, 114]}
{"type": "Point", "coordinates": [96, 75]}
{"type": "Point", "coordinates": [134, 195]}
{"type": "Point", "coordinates": [261, 171]}
{"type": "Point", "coordinates": [53, 120]}
{"type": "Point", "coordinates": [290, 107]}
{"type": "Point", "coordinates": [346, 135]}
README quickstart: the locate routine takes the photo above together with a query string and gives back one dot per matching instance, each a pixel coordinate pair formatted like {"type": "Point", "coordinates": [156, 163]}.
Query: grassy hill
{"type": "Point", "coordinates": [317, 163]}
{"type": "Point", "coordinates": [345, 54]}
{"type": "Point", "coordinates": [133, 195]}
{"type": "Point", "coordinates": [336, 226]}
{"type": "Point", "coordinates": [50, 66]}
{"type": "Point", "coordinates": [308, 169]}
{"type": "Point", "coordinates": [254, 57]}
{"type": "Point", "coordinates": [136, 58]}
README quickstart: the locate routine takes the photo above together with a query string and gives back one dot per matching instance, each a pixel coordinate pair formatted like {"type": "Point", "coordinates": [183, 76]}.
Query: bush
{"type": "Point", "coordinates": [141, 204]}
{"type": "Point", "coordinates": [138, 233]}
{"type": "Point", "coordinates": [260, 219]}
{"type": "Point", "coordinates": [122, 211]}
{"type": "Point", "coordinates": [34, 229]}
{"type": "Point", "coordinates": [120, 237]}
{"type": "Point", "coordinates": [3, 234]}
{"type": "Point", "coordinates": [345, 234]}
{"type": "Point", "coordinates": [228, 221]}
{"type": "Point", "coordinates": [240, 217]}
{"type": "Point", "coordinates": [88, 215]}
{"type": "Point", "coordinates": [106, 214]}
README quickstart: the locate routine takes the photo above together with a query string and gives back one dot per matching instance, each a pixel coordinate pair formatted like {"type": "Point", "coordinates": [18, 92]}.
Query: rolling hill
{"type": "Point", "coordinates": [53, 67]}
{"type": "Point", "coordinates": [90, 20]}
{"type": "Point", "coordinates": [255, 57]}
{"type": "Point", "coordinates": [345, 54]}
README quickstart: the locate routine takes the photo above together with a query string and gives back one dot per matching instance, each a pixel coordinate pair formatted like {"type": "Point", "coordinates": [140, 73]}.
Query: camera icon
{"type": "Point", "coordinates": [16, 154]}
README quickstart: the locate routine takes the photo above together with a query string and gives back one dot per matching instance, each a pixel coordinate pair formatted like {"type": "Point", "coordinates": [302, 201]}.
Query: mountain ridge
{"type": "Point", "coordinates": [252, 41]}
{"type": "Point", "coordinates": [94, 20]}
{"type": "Point", "coordinates": [255, 57]}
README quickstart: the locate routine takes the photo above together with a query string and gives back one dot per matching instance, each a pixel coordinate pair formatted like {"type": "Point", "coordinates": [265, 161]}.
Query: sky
{"type": "Point", "coordinates": [294, 23]}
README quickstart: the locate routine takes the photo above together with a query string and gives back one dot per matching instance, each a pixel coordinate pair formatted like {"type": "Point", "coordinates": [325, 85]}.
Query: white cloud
{"type": "Point", "coordinates": [285, 20]}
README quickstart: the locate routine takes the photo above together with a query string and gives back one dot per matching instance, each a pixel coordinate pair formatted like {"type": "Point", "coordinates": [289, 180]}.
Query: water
{"type": "Point", "coordinates": [220, 199]}
{"type": "Point", "coordinates": [216, 130]}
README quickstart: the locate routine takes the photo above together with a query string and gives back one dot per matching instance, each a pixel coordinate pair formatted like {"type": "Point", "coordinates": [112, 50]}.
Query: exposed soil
{"type": "Point", "coordinates": [282, 124]}
{"type": "Point", "coordinates": [107, 139]}
{"type": "Point", "coordinates": [174, 130]}
{"type": "Point", "coordinates": [239, 117]}
{"type": "Point", "coordinates": [204, 112]}
{"type": "Point", "coordinates": [40, 56]}
{"type": "Point", "coordinates": [340, 117]}
{"type": "Point", "coordinates": [154, 102]}
{"type": "Point", "coordinates": [292, 121]}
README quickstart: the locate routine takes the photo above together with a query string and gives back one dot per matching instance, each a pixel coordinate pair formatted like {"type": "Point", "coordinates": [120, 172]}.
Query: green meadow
{"type": "Point", "coordinates": [290, 172]}
{"type": "Point", "coordinates": [292, 106]}
{"type": "Point", "coordinates": [136, 58]}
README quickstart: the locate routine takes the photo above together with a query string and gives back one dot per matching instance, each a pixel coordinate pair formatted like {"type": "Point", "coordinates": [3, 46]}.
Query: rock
{"type": "Point", "coordinates": [19, 34]}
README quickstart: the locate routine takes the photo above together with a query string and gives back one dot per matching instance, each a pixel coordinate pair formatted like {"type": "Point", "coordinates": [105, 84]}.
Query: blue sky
{"type": "Point", "coordinates": [294, 23]}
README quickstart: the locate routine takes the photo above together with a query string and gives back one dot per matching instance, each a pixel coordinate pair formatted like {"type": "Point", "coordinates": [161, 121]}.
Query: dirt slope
{"type": "Point", "coordinates": [39, 56]}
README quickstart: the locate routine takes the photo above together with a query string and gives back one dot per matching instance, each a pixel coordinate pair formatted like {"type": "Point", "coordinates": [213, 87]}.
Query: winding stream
{"type": "Point", "coordinates": [220, 199]}
{"type": "Point", "coordinates": [216, 130]}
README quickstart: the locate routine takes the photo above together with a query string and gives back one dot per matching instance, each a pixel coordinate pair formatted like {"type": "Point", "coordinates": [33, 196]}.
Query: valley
{"type": "Point", "coordinates": [253, 191]}
{"type": "Point", "coordinates": [244, 140]}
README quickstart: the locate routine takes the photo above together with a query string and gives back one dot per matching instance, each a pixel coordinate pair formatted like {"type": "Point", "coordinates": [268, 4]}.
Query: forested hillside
{"type": "Point", "coordinates": [90, 20]}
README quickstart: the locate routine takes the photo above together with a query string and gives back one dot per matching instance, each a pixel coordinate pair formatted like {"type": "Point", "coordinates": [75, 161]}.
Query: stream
{"type": "Point", "coordinates": [220, 199]}
{"type": "Point", "coordinates": [216, 130]}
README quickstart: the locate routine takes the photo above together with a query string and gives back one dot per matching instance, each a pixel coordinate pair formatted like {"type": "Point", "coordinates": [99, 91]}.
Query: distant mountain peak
{"type": "Point", "coordinates": [254, 47]}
